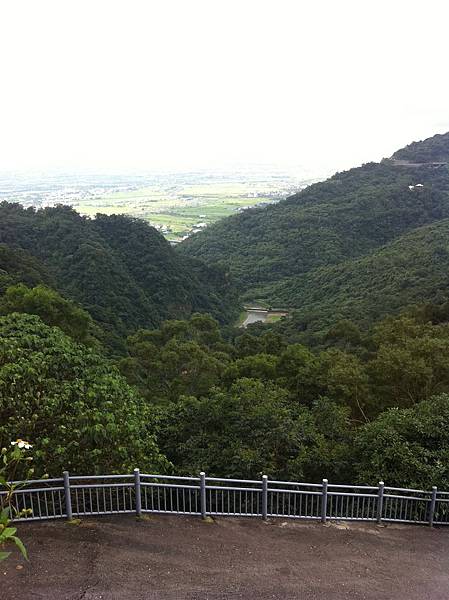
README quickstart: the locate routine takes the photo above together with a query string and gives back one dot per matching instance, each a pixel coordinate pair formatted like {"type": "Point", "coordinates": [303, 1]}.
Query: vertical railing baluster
{"type": "Point", "coordinates": [363, 503]}
{"type": "Point", "coordinates": [433, 502]}
{"type": "Point", "coordinates": [203, 495]}
{"type": "Point", "coordinates": [39, 504]}
{"type": "Point", "coordinates": [324, 502]}
{"type": "Point", "coordinates": [67, 496]}
{"type": "Point", "coordinates": [380, 501]}
{"type": "Point", "coordinates": [264, 497]}
{"type": "Point", "coordinates": [137, 492]}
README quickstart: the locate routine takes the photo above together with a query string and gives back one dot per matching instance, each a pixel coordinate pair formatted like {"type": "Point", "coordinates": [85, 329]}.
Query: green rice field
{"type": "Point", "coordinates": [176, 211]}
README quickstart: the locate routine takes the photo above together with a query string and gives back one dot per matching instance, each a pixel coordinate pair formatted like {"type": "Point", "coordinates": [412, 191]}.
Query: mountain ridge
{"type": "Point", "coordinates": [119, 269]}
{"type": "Point", "coordinates": [353, 214]}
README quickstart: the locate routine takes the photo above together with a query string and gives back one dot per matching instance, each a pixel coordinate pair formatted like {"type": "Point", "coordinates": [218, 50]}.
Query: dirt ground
{"type": "Point", "coordinates": [183, 558]}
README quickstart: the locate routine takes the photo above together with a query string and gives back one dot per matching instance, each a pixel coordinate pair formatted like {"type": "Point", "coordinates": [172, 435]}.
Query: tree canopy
{"type": "Point", "coordinates": [70, 403]}
{"type": "Point", "coordinates": [353, 387]}
{"type": "Point", "coordinates": [119, 269]}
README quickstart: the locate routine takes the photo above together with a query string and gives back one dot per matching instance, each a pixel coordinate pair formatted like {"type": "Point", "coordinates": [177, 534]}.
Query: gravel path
{"type": "Point", "coordinates": [186, 559]}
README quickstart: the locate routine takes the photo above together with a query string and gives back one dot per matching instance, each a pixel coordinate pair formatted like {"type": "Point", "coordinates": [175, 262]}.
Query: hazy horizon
{"type": "Point", "coordinates": [138, 86]}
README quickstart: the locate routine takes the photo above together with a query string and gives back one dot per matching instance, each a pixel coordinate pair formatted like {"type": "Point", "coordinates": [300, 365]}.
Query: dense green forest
{"type": "Point", "coordinates": [186, 399]}
{"type": "Point", "coordinates": [111, 358]}
{"type": "Point", "coordinates": [123, 272]}
{"type": "Point", "coordinates": [326, 250]}
{"type": "Point", "coordinates": [410, 270]}
{"type": "Point", "coordinates": [434, 149]}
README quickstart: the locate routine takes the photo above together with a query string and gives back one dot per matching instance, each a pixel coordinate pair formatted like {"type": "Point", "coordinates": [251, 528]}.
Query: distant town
{"type": "Point", "coordinates": [176, 204]}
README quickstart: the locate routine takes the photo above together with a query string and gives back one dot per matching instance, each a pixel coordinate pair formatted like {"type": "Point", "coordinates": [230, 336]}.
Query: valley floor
{"type": "Point", "coordinates": [184, 558]}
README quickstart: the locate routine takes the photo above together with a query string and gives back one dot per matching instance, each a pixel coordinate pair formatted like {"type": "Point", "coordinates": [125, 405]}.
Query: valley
{"type": "Point", "coordinates": [224, 300]}
{"type": "Point", "coordinates": [289, 339]}
{"type": "Point", "coordinates": [363, 244]}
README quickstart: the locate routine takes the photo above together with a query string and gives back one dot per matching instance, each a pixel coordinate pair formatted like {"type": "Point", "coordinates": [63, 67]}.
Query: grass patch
{"type": "Point", "coordinates": [273, 318]}
{"type": "Point", "coordinates": [241, 319]}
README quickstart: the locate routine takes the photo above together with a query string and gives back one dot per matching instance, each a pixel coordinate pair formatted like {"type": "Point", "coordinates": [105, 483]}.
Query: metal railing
{"type": "Point", "coordinates": [138, 493]}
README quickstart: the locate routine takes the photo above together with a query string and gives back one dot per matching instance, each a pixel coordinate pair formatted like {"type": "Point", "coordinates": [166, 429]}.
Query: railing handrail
{"type": "Point", "coordinates": [78, 495]}
{"type": "Point", "coordinates": [181, 477]}
{"type": "Point", "coordinates": [218, 479]}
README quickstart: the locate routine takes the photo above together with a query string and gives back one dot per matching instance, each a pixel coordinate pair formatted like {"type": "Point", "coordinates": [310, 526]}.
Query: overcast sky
{"type": "Point", "coordinates": [129, 83]}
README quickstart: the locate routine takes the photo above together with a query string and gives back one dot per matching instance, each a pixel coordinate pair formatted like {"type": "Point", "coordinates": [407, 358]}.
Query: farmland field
{"type": "Point", "coordinates": [175, 211]}
{"type": "Point", "coordinates": [178, 204]}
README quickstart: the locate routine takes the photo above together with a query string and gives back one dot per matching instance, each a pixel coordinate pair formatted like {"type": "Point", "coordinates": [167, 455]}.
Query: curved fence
{"type": "Point", "coordinates": [139, 493]}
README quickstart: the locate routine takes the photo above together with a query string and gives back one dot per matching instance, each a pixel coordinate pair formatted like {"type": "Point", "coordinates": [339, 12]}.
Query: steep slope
{"type": "Point", "coordinates": [120, 269]}
{"type": "Point", "coordinates": [433, 149]}
{"type": "Point", "coordinates": [276, 253]}
{"type": "Point", "coordinates": [413, 269]}
{"type": "Point", "coordinates": [17, 266]}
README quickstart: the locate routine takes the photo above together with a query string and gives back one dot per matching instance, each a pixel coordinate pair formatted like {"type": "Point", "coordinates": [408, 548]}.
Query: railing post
{"type": "Point", "coordinates": [380, 501]}
{"type": "Point", "coordinates": [67, 496]}
{"type": "Point", "coordinates": [264, 497]}
{"type": "Point", "coordinates": [203, 494]}
{"type": "Point", "coordinates": [433, 502]}
{"type": "Point", "coordinates": [324, 502]}
{"type": "Point", "coordinates": [137, 492]}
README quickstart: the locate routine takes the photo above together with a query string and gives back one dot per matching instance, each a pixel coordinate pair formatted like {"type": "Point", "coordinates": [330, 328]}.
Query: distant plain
{"type": "Point", "coordinates": [174, 203]}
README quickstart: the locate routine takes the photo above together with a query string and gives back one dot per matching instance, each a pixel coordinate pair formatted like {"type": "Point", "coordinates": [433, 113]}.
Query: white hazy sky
{"type": "Point", "coordinates": [166, 83]}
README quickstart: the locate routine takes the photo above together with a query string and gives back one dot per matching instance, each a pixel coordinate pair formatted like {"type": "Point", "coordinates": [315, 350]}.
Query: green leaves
{"type": "Point", "coordinates": [182, 357]}
{"type": "Point", "coordinates": [20, 546]}
{"type": "Point", "coordinates": [7, 535]}
{"type": "Point", "coordinates": [252, 428]}
{"type": "Point", "coordinates": [52, 308]}
{"type": "Point", "coordinates": [4, 515]}
{"type": "Point", "coordinates": [407, 447]}
{"type": "Point", "coordinates": [70, 403]}
{"type": "Point", "coordinates": [13, 457]}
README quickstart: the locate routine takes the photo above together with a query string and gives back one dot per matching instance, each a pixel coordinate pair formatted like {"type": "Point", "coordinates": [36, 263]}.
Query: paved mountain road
{"type": "Point", "coordinates": [183, 558]}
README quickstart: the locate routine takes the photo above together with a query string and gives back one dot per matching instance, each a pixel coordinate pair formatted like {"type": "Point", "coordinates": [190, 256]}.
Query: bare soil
{"type": "Point", "coordinates": [184, 558]}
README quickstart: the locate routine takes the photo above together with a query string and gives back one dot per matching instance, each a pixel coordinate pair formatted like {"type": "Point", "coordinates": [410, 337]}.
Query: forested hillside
{"type": "Point", "coordinates": [434, 149]}
{"type": "Point", "coordinates": [364, 396]}
{"type": "Point", "coordinates": [326, 248]}
{"type": "Point", "coordinates": [411, 270]}
{"type": "Point", "coordinates": [18, 266]}
{"type": "Point", "coordinates": [187, 399]}
{"type": "Point", "coordinates": [119, 269]}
